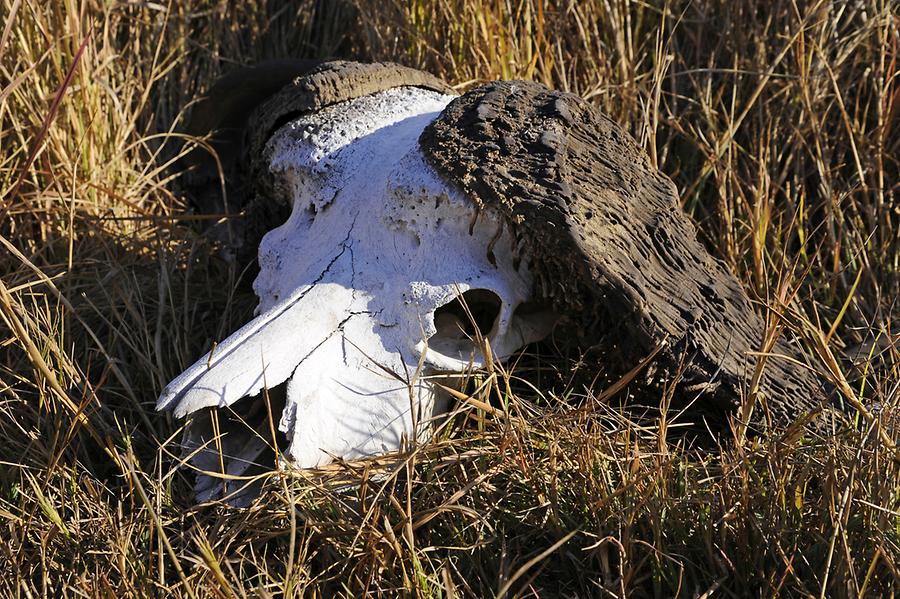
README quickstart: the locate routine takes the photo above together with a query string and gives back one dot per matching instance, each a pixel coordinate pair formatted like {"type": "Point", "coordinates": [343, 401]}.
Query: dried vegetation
{"type": "Point", "coordinates": [777, 120]}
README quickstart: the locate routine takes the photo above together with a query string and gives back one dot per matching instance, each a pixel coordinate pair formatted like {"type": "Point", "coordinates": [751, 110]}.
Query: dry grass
{"type": "Point", "coordinates": [778, 121]}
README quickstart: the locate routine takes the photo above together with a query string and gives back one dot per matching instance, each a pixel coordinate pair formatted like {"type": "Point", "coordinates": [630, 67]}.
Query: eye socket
{"type": "Point", "coordinates": [475, 308]}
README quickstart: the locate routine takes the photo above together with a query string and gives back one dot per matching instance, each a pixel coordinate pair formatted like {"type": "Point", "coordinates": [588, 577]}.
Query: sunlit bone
{"type": "Point", "coordinates": [351, 290]}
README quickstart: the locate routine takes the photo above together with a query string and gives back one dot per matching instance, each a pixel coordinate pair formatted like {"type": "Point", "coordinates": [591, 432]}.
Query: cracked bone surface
{"type": "Point", "coordinates": [361, 296]}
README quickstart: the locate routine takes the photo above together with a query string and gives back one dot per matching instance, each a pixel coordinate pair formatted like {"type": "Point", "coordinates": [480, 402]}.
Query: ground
{"type": "Point", "coordinates": [777, 122]}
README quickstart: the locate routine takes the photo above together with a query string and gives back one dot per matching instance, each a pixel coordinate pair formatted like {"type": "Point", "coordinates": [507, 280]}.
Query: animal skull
{"type": "Point", "coordinates": [403, 205]}
{"type": "Point", "coordinates": [383, 279]}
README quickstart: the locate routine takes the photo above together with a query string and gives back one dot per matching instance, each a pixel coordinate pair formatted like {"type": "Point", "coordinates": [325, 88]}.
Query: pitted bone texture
{"type": "Point", "coordinates": [610, 241]}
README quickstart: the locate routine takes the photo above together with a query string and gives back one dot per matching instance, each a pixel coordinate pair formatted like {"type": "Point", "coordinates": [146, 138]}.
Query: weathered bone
{"type": "Point", "coordinates": [404, 199]}
{"type": "Point", "coordinates": [350, 290]}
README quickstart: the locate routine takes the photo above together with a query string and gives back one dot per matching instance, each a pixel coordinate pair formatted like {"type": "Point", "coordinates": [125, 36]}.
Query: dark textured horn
{"type": "Point", "coordinates": [612, 244]}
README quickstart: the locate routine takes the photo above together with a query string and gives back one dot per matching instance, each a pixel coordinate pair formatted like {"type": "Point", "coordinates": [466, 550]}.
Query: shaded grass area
{"type": "Point", "coordinates": [777, 121]}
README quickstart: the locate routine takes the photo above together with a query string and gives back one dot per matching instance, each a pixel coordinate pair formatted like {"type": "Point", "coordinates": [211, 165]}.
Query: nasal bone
{"type": "Point", "coordinates": [263, 353]}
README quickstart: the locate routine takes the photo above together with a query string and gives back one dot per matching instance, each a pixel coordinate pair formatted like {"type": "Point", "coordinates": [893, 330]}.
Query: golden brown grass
{"type": "Point", "coordinates": [778, 122]}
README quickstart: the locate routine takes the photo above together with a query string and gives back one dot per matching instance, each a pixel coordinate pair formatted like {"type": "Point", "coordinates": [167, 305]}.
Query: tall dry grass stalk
{"type": "Point", "coordinates": [778, 121]}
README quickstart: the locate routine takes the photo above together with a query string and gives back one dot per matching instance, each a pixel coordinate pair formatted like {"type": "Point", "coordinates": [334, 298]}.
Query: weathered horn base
{"type": "Point", "coordinates": [611, 244]}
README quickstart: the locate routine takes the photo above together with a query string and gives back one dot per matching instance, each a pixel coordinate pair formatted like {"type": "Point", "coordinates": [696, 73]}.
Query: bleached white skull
{"type": "Point", "coordinates": [402, 207]}
{"type": "Point", "coordinates": [383, 277]}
